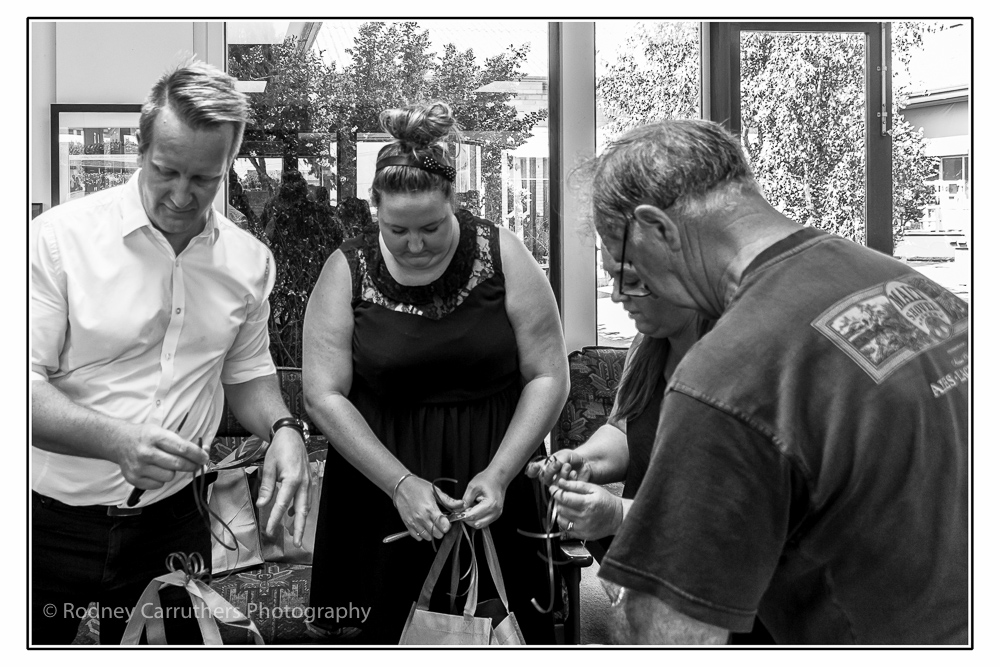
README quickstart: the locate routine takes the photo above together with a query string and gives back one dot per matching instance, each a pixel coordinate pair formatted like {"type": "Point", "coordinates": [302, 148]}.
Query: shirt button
{"type": "Point", "coordinates": [157, 402]}
{"type": "Point", "coordinates": [167, 355]}
{"type": "Point", "coordinates": [178, 311]}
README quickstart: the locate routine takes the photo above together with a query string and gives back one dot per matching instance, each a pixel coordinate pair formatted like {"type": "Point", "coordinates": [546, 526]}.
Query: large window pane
{"type": "Point", "coordinates": [646, 71]}
{"type": "Point", "coordinates": [302, 181]}
{"type": "Point", "coordinates": [931, 68]}
{"type": "Point", "coordinates": [802, 97]}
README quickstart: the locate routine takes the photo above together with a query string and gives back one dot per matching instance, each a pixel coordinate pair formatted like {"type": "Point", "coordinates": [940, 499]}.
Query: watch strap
{"type": "Point", "coordinates": [290, 422]}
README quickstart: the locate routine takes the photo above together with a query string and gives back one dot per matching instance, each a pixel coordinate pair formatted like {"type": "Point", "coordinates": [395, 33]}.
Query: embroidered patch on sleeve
{"type": "Point", "coordinates": [886, 325]}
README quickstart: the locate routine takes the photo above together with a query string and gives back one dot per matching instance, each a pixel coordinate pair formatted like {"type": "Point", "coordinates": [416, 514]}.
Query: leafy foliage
{"type": "Point", "coordinates": [301, 230]}
{"type": "Point", "coordinates": [655, 76]}
{"type": "Point", "coordinates": [293, 117]}
{"type": "Point", "coordinates": [308, 104]}
{"type": "Point", "coordinates": [802, 97]}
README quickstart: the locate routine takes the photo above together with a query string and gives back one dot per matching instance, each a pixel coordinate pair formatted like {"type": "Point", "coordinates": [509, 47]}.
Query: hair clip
{"type": "Point", "coordinates": [433, 166]}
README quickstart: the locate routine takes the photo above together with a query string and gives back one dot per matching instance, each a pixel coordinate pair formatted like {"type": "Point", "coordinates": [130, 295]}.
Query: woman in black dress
{"type": "Point", "coordinates": [432, 350]}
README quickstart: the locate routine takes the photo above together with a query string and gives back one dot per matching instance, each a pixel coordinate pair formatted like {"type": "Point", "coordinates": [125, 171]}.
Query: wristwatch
{"type": "Point", "coordinates": [291, 422]}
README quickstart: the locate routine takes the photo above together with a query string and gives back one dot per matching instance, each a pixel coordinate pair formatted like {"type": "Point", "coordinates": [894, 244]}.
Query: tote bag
{"type": "Point", "coordinates": [232, 502]}
{"type": "Point", "coordinates": [428, 628]}
{"type": "Point", "coordinates": [280, 548]}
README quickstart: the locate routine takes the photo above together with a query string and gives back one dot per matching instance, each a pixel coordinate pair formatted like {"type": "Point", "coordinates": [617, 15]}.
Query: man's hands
{"type": "Point", "coordinates": [286, 469]}
{"type": "Point", "coordinates": [151, 456]}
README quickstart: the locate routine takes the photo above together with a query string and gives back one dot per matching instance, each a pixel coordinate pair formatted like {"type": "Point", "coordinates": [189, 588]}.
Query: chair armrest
{"type": "Point", "coordinates": [575, 554]}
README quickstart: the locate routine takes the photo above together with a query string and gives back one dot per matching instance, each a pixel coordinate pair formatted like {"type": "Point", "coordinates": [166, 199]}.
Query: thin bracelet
{"type": "Point", "coordinates": [396, 488]}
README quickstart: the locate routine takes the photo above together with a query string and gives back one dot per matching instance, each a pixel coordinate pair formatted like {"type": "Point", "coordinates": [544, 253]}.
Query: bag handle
{"type": "Point", "coordinates": [450, 543]}
{"type": "Point", "coordinates": [494, 564]}
{"type": "Point", "coordinates": [209, 608]}
{"type": "Point", "coordinates": [456, 579]}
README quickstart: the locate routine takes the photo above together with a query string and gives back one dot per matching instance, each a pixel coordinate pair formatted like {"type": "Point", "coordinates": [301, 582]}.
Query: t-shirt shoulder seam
{"type": "Point", "coordinates": [749, 278]}
{"type": "Point", "coordinates": [783, 448]}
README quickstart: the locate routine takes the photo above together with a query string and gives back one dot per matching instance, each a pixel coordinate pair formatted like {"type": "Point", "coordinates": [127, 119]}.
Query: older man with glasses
{"type": "Point", "coordinates": [811, 460]}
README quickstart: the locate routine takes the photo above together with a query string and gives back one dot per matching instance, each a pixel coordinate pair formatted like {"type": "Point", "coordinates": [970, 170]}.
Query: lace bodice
{"type": "Point", "coordinates": [476, 260]}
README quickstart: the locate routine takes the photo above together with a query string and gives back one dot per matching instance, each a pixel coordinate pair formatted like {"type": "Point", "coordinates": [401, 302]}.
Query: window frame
{"type": "Point", "coordinates": [572, 139]}
{"type": "Point", "coordinates": [723, 93]}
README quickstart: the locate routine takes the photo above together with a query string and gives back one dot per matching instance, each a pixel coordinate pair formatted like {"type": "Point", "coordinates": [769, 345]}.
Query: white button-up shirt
{"type": "Point", "coordinates": [124, 327]}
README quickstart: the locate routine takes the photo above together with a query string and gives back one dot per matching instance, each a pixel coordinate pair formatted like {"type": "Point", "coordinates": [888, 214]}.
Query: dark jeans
{"type": "Point", "coordinates": [81, 555]}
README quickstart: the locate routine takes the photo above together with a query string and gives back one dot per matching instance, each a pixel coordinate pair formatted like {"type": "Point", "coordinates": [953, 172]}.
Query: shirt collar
{"type": "Point", "coordinates": [134, 215]}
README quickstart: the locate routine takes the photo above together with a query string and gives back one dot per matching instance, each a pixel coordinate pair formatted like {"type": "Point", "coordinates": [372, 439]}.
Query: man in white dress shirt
{"type": "Point", "coordinates": [146, 303]}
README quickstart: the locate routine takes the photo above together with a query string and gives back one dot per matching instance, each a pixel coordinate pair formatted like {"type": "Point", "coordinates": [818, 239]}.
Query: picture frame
{"type": "Point", "coordinates": [94, 147]}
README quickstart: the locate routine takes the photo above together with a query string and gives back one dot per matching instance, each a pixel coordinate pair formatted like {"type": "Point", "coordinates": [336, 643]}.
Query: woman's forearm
{"type": "Point", "coordinates": [353, 439]}
{"type": "Point", "coordinates": [541, 401]}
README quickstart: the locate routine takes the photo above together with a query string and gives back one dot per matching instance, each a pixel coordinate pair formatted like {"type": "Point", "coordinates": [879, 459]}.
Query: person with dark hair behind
{"type": "Point", "coordinates": [619, 451]}
{"type": "Point", "coordinates": [356, 217]}
{"type": "Point", "coordinates": [434, 350]}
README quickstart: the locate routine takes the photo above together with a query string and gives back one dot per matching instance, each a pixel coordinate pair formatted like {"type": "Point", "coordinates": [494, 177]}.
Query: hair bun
{"type": "Point", "coordinates": [418, 126]}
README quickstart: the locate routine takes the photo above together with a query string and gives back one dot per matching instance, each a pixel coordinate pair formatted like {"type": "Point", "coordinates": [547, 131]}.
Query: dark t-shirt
{"type": "Point", "coordinates": [812, 458]}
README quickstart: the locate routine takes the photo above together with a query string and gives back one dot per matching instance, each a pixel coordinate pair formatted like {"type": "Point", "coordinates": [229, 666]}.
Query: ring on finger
{"type": "Point", "coordinates": [569, 527]}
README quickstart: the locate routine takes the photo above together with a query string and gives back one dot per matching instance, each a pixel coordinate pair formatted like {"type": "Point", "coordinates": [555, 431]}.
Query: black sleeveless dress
{"type": "Point", "coordinates": [436, 377]}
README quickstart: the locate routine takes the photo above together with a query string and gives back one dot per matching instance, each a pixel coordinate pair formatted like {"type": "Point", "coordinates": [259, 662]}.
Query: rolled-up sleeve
{"type": "Point", "coordinates": [250, 355]}
{"type": "Point", "coordinates": [706, 535]}
{"type": "Point", "coordinates": [49, 309]}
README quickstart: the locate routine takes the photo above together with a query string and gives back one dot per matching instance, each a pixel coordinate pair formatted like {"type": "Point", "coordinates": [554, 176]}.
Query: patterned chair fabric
{"type": "Point", "coordinates": [594, 374]}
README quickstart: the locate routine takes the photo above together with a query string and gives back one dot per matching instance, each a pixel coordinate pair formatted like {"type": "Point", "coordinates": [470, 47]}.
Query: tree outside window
{"type": "Point", "coordinates": [296, 185]}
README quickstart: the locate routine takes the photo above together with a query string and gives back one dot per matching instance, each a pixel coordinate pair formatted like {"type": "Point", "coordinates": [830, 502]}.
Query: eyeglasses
{"type": "Point", "coordinates": [639, 289]}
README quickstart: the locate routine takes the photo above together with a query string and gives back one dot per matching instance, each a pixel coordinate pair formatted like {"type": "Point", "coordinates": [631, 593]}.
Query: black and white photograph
{"type": "Point", "coordinates": [541, 332]}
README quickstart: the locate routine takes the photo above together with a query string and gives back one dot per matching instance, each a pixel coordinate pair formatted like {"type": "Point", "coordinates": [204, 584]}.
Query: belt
{"type": "Point", "coordinates": [168, 504]}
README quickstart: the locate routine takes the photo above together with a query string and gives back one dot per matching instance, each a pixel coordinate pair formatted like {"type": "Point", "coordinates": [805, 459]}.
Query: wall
{"type": "Point", "coordinates": [948, 121]}
{"type": "Point", "coordinates": [111, 62]}
{"type": "Point", "coordinates": [578, 142]}
{"type": "Point", "coordinates": [42, 86]}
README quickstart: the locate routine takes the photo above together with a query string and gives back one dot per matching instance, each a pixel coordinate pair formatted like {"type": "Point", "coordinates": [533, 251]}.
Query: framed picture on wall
{"type": "Point", "coordinates": [94, 147]}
